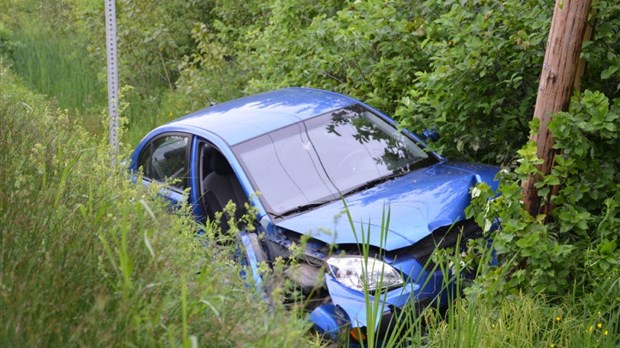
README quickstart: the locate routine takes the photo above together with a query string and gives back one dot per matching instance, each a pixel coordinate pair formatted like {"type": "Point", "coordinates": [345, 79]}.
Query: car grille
{"type": "Point", "coordinates": [443, 238]}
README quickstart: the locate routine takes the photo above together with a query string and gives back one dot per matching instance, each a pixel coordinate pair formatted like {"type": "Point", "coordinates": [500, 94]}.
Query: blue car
{"type": "Point", "coordinates": [301, 157]}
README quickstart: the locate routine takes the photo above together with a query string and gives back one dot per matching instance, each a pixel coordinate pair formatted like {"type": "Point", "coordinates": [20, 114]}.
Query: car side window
{"type": "Point", "coordinates": [165, 158]}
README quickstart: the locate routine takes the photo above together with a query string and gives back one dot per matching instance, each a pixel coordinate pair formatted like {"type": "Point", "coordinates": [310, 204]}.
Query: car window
{"type": "Point", "coordinates": [316, 160]}
{"type": "Point", "coordinates": [165, 158]}
{"type": "Point", "coordinates": [356, 146]}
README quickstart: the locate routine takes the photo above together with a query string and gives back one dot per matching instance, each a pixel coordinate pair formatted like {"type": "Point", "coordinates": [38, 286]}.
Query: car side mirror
{"type": "Point", "coordinates": [430, 135]}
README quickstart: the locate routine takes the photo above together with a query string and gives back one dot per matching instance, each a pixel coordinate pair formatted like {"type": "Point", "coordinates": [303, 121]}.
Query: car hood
{"type": "Point", "coordinates": [416, 203]}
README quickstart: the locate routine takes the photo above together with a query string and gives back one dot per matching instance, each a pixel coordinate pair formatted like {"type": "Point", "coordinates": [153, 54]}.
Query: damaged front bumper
{"type": "Point", "coordinates": [351, 312]}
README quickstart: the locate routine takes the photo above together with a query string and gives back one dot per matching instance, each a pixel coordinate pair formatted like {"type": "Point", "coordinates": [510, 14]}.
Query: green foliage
{"type": "Point", "coordinates": [602, 54]}
{"type": "Point", "coordinates": [521, 321]}
{"type": "Point", "coordinates": [40, 42]}
{"type": "Point", "coordinates": [403, 58]}
{"type": "Point", "coordinates": [588, 207]}
{"type": "Point", "coordinates": [365, 49]}
{"type": "Point", "coordinates": [152, 36]}
{"type": "Point", "coordinates": [210, 74]}
{"type": "Point", "coordinates": [572, 253]}
{"type": "Point", "coordinates": [233, 49]}
{"type": "Point", "coordinates": [479, 87]}
{"type": "Point", "coordinates": [575, 250]}
{"type": "Point", "coordinates": [56, 65]}
{"type": "Point", "coordinates": [87, 258]}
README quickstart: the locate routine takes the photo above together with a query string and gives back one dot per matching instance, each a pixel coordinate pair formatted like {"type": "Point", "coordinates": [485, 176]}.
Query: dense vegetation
{"type": "Point", "coordinates": [89, 259]}
{"type": "Point", "coordinates": [86, 258]}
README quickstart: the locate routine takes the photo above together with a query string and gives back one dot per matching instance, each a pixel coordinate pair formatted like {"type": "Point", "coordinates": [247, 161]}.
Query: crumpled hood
{"type": "Point", "coordinates": [418, 203]}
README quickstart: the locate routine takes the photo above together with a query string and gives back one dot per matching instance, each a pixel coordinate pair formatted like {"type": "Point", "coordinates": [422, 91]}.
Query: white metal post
{"type": "Point", "coordinates": [110, 20]}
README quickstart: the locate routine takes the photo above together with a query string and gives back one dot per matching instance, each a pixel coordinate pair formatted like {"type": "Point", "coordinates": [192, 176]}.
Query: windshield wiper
{"type": "Point", "coordinates": [374, 182]}
{"type": "Point", "coordinates": [301, 208]}
{"type": "Point", "coordinates": [406, 169]}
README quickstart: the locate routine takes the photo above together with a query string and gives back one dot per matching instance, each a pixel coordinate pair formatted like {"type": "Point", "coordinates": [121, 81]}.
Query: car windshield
{"type": "Point", "coordinates": [315, 161]}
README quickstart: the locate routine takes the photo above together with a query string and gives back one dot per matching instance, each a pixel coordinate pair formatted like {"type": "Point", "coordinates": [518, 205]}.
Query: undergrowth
{"type": "Point", "coordinates": [464, 318]}
{"type": "Point", "coordinates": [87, 258]}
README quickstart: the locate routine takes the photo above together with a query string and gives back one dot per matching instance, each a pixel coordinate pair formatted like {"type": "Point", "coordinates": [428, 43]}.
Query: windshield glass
{"type": "Point", "coordinates": [316, 160]}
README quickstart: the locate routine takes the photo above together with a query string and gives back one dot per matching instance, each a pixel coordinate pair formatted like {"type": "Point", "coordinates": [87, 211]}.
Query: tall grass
{"type": "Point", "coordinates": [521, 320]}
{"type": "Point", "coordinates": [58, 65]}
{"type": "Point", "coordinates": [52, 58]}
{"type": "Point", "coordinates": [47, 45]}
{"type": "Point", "coordinates": [89, 259]}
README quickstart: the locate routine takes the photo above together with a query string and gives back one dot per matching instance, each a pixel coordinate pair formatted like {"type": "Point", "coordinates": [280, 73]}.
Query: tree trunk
{"type": "Point", "coordinates": [587, 36]}
{"type": "Point", "coordinates": [556, 85]}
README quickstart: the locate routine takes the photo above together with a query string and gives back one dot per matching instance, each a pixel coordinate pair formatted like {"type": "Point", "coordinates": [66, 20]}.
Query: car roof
{"type": "Point", "coordinates": [241, 119]}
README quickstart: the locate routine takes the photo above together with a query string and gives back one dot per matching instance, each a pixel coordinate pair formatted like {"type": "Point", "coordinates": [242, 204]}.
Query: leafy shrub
{"type": "Point", "coordinates": [152, 38]}
{"type": "Point", "coordinates": [602, 53]}
{"type": "Point", "coordinates": [479, 88]}
{"type": "Point", "coordinates": [577, 252]}
{"type": "Point", "coordinates": [87, 258]}
{"type": "Point", "coordinates": [153, 35]}
{"type": "Point", "coordinates": [572, 253]}
{"type": "Point", "coordinates": [404, 58]}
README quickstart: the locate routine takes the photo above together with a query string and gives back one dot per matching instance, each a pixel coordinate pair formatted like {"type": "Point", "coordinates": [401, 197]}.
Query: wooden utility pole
{"type": "Point", "coordinates": [559, 69]}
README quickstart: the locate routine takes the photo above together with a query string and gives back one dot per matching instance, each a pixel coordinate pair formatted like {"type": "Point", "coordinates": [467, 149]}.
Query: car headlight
{"type": "Point", "coordinates": [354, 271]}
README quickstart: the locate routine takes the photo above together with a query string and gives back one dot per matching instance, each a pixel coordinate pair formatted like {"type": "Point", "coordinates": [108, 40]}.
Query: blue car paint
{"type": "Point", "coordinates": [193, 184]}
{"type": "Point", "coordinates": [251, 259]}
{"type": "Point", "coordinates": [254, 115]}
{"type": "Point", "coordinates": [349, 309]}
{"type": "Point", "coordinates": [438, 194]}
{"type": "Point", "coordinates": [259, 114]}
{"type": "Point", "coordinates": [419, 202]}
{"type": "Point", "coordinates": [328, 320]}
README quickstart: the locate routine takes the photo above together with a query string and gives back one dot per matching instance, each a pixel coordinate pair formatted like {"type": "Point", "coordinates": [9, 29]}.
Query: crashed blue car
{"type": "Point", "coordinates": [301, 157]}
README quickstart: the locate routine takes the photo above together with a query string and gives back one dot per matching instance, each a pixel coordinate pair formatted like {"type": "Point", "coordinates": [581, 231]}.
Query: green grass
{"type": "Point", "coordinates": [52, 58]}
{"type": "Point", "coordinates": [45, 46]}
{"type": "Point", "coordinates": [58, 65]}
{"type": "Point", "coordinates": [87, 258]}
{"type": "Point", "coordinates": [519, 320]}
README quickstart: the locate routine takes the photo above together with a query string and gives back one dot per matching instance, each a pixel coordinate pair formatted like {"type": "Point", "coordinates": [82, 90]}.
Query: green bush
{"type": "Point", "coordinates": [403, 58]}
{"type": "Point", "coordinates": [575, 251]}
{"type": "Point", "coordinates": [153, 36]}
{"type": "Point", "coordinates": [602, 54]}
{"type": "Point", "coordinates": [479, 88]}
{"type": "Point", "coordinates": [87, 258]}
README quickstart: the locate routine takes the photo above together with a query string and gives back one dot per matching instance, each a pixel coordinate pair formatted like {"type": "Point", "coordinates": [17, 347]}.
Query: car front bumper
{"type": "Point", "coordinates": [351, 310]}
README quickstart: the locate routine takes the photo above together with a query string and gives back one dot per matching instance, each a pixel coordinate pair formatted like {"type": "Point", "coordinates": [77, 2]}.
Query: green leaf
{"type": "Point", "coordinates": [552, 180]}
{"type": "Point", "coordinates": [609, 72]}
{"type": "Point", "coordinates": [527, 241]}
{"type": "Point", "coordinates": [607, 247]}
